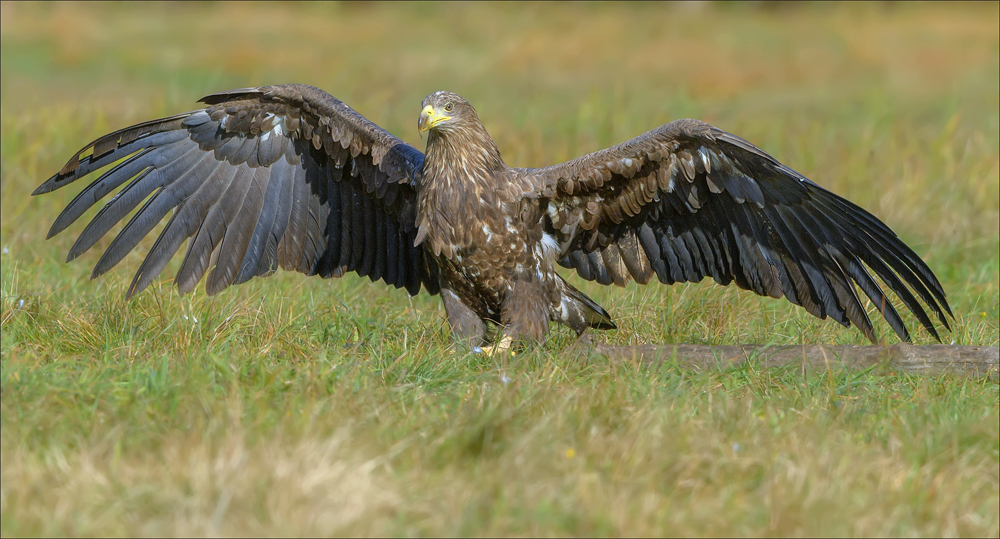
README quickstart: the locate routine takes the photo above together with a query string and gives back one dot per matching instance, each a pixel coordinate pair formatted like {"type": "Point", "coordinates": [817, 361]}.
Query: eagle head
{"type": "Point", "coordinates": [456, 139]}
{"type": "Point", "coordinates": [444, 112]}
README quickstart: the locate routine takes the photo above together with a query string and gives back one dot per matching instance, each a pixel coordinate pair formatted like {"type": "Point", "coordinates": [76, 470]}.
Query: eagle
{"type": "Point", "coordinates": [290, 177]}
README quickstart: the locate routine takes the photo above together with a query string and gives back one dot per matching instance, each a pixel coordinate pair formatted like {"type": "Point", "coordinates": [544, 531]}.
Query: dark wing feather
{"type": "Point", "coordinates": [262, 178]}
{"type": "Point", "coordinates": [688, 201]}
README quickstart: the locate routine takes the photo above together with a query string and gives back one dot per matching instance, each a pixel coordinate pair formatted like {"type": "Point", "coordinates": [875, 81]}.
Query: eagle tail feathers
{"type": "Point", "coordinates": [579, 312]}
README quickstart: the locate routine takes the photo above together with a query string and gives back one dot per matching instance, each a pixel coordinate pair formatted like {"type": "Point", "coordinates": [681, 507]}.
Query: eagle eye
{"type": "Point", "coordinates": [449, 106]}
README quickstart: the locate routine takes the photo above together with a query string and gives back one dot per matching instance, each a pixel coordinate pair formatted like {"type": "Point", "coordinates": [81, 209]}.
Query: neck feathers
{"type": "Point", "coordinates": [465, 151]}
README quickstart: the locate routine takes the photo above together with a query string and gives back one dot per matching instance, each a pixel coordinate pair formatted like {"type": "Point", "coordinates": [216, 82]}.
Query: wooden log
{"type": "Point", "coordinates": [976, 361]}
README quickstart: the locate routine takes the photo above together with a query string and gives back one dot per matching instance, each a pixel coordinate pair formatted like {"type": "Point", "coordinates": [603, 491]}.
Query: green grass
{"type": "Point", "coordinates": [294, 406]}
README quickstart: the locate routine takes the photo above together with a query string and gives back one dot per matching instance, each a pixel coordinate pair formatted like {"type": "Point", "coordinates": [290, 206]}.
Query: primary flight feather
{"type": "Point", "coordinates": [288, 176]}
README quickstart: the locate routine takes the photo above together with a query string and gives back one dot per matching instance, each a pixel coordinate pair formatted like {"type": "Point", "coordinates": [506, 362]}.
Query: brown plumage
{"type": "Point", "coordinates": [290, 177]}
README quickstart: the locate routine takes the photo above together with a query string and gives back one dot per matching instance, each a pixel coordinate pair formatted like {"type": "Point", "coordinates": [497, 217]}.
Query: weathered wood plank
{"type": "Point", "coordinates": [977, 361]}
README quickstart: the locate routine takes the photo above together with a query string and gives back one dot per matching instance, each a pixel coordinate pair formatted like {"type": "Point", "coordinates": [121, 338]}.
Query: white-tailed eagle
{"type": "Point", "coordinates": [290, 177]}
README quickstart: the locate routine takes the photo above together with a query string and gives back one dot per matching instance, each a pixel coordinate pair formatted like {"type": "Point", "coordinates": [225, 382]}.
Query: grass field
{"type": "Point", "coordinates": [301, 406]}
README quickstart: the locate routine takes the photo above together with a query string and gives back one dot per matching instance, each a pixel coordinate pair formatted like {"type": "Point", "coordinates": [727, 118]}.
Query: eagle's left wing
{"type": "Point", "coordinates": [688, 200]}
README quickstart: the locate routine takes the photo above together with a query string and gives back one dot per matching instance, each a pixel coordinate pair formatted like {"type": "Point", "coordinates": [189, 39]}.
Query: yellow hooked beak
{"type": "Point", "coordinates": [430, 118]}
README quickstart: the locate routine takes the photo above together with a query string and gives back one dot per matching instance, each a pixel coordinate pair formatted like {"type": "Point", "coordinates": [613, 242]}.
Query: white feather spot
{"type": "Point", "coordinates": [281, 127]}
{"type": "Point", "coordinates": [510, 226]}
{"type": "Point", "coordinates": [627, 162]}
{"type": "Point", "coordinates": [704, 159]}
{"type": "Point", "coordinates": [550, 247]}
{"type": "Point", "coordinates": [552, 210]}
{"type": "Point", "coordinates": [564, 308]}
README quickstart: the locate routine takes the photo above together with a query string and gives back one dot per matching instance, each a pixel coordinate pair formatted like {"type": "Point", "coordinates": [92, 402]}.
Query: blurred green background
{"type": "Point", "coordinates": [301, 406]}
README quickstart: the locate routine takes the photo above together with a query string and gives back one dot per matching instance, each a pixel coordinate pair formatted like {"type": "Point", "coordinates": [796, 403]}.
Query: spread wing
{"type": "Point", "coordinates": [688, 200]}
{"type": "Point", "coordinates": [261, 178]}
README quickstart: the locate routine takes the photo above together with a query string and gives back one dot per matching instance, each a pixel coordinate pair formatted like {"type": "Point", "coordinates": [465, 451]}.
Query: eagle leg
{"type": "Point", "coordinates": [525, 313]}
{"type": "Point", "coordinates": [467, 329]}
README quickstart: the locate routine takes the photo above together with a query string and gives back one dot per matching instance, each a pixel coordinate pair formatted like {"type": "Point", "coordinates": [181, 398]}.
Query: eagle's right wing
{"type": "Point", "coordinates": [261, 178]}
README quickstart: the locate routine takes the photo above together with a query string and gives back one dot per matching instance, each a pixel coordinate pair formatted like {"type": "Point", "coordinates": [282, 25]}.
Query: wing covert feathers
{"type": "Point", "coordinates": [261, 178]}
{"type": "Point", "coordinates": [688, 201]}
